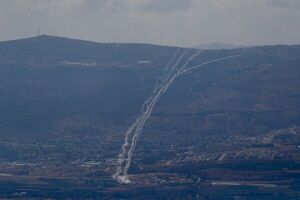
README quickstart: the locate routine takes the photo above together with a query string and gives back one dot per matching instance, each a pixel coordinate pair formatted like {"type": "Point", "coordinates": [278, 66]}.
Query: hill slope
{"type": "Point", "coordinates": [57, 85]}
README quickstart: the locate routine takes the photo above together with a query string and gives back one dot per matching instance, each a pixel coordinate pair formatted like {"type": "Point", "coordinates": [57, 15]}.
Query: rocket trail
{"type": "Point", "coordinates": [133, 133]}
{"type": "Point", "coordinates": [169, 69]}
{"type": "Point", "coordinates": [128, 135]}
{"type": "Point", "coordinates": [131, 136]}
{"type": "Point", "coordinates": [206, 63]}
{"type": "Point", "coordinates": [167, 82]}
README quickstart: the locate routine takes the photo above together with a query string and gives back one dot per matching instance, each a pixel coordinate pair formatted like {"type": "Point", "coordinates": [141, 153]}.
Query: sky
{"type": "Point", "coordinates": [167, 22]}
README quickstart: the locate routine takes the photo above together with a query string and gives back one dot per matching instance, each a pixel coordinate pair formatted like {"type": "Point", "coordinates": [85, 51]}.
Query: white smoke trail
{"type": "Point", "coordinates": [124, 151]}
{"type": "Point", "coordinates": [206, 63]}
{"type": "Point", "coordinates": [135, 130]}
{"type": "Point", "coordinates": [169, 70]}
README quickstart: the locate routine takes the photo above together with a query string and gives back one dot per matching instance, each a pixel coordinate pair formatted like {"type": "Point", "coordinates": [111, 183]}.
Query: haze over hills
{"type": "Point", "coordinates": [215, 46]}
{"type": "Point", "coordinates": [66, 105]}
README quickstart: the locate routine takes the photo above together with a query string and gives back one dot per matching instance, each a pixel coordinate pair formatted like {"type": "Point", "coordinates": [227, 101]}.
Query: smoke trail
{"type": "Point", "coordinates": [169, 69]}
{"type": "Point", "coordinates": [135, 130]}
{"type": "Point", "coordinates": [124, 151]}
{"type": "Point", "coordinates": [206, 63]}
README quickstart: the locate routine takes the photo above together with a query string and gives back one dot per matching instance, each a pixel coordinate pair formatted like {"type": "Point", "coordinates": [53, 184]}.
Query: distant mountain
{"type": "Point", "coordinates": [43, 49]}
{"type": "Point", "coordinates": [214, 46]}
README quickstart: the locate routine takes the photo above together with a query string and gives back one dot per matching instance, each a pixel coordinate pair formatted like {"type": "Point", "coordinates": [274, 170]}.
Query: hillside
{"type": "Point", "coordinates": [228, 128]}
{"type": "Point", "coordinates": [47, 80]}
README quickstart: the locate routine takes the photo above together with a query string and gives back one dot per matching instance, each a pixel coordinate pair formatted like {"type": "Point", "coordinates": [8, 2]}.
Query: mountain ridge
{"type": "Point", "coordinates": [61, 38]}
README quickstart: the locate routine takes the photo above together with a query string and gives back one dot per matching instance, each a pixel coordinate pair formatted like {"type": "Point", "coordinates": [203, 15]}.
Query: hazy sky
{"type": "Point", "coordinates": [174, 22]}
